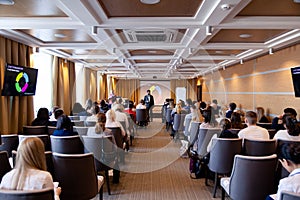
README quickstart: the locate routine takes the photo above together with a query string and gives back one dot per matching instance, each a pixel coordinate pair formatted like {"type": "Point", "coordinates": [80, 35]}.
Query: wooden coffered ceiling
{"type": "Point", "coordinates": [169, 40]}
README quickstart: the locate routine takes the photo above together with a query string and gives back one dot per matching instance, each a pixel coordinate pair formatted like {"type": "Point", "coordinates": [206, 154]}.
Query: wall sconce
{"type": "Point", "coordinates": [208, 30]}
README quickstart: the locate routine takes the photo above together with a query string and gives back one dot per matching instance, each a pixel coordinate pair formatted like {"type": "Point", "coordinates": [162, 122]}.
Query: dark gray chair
{"type": "Point", "coordinates": [90, 123]}
{"type": "Point", "coordinates": [51, 129]}
{"type": "Point", "coordinates": [44, 138]}
{"type": "Point", "coordinates": [259, 147]}
{"type": "Point", "coordinates": [44, 194]}
{"type": "Point", "coordinates": [9, 143]}
{"type": "Point", "coordinates": [116, 132]}
{"type": "Point", "coordinates": [194, 132]}
{"type": "Point", "coordinates": [81, 130]}
{"type": "Point", "coordinates": [76, 174]}
{"type": "Point", "coordinates": [285, 195]}
{"type": "Point", "coordinates": [66, 144]}
{"type": "Point", "coordinates": [104, 151]}
{"type": "Point", "coordinates": [204, 137]}
{"type": "Point", "coordinates": [35, 130]}
{"type": "Point", "coordinates": [168, 118]}
{"type": "Point", "coordinates": [4, 164]}
{"type": "Point", "coordinates": [265, 125]}
{"type": "Point", "coordinates": [187, 126]}
{"type": "Point", "coordinates": [178, 124]}
{"type": "Point", "coordinates": [141, 117]}
{"type": "Point", "coordinates": [252, 177]}
{"type": "Point", "coordinates": [222, 155]}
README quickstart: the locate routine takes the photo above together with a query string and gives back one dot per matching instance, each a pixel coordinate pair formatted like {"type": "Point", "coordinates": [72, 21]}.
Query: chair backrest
{"type": "Point", "coordinates": [75, 117]}
{"type": "Point", "coordinates": [90, 123]}
{"type": "Point", "coordinates": [141, 115]}
{"type": "Point", "coordinates": [35, 130]}
{"type": "Point", "coordinates": [4, 164]}
{"type": "Point", "coordinates": [259, 147]}
{"type": "Point", "coordinates": [44, 194]}
{"type": "Point", "coordinates": [76, 174]}
{"type": "Point", "coordinates": [265, 125]}
{"type": "Point", "coordinates": [222, 154]}
{"type": "Point", "coordinates": [9, 143]}
{"type": "Point", "coordinates": [81, 130]}
{"type": "Point", "coordinates": [44, 138]}
{"type": "Point", "coordinates": [51, 129]}
{"type": "Point", "coordinates": [194, 131]}
{"type": "Point", "coordinates": [235, 130]}
{"type": "Point", "coordinates": [116, 132]}
{"type": "Point", "coordinates": [204, 137]}
{"type": "Point", "coordinates": [168, 115]}
{"type": "Point", "coordinates": [66, 144]}
{"type": "Point", "coordinates": [187, 126]}
{"type": "Point", "coordinates": [252, 177]}
{"type": "Point", "coordinates": [285, 195]}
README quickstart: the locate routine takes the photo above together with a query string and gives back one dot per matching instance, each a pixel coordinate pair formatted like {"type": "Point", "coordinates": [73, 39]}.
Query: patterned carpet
{"type": "Point", "coordinates": [154, 170]}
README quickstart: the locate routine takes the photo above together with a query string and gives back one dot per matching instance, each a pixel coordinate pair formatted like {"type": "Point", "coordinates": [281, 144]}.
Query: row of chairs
{"type": "Point", "coordinates": [76, 174]}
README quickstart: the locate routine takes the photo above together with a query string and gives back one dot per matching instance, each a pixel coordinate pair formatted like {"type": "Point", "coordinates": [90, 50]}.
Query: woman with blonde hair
{"type": "Point", "coordinates": [30, 172]}
{"type": "Point", "coordinates": [111, 121]}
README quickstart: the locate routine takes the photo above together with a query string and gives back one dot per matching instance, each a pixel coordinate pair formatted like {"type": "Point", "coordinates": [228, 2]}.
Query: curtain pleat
{"type": "Point", "coordinates": [128, 89]}
{"type": "Point", "coordinates": [15, 111]}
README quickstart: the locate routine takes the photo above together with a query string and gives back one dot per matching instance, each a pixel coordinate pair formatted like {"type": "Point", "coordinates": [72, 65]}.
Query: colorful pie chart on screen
{"type": "Point", "coordinates": [19, 76]}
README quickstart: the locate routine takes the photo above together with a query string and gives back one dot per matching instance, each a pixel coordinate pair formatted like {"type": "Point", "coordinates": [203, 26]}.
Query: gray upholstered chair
{"type": "Point", "coordinates": [194, 132]}
{"type": "Point", "coordinates": [168, 118]}
{"type": "Point", "coordinates": [141, 116]}
{"type": "Point", "coordinates": [76, 174]}
{"type": "Point", "coordinates": [222, 155]}
{"type": "Point", "coordinates": [259, 147]}
{"type": "Point", "coordinates": [44, 194]}
{"type": "Point", "coordinates": [66, 144]}
{"type": "Point", "coordinates": [116, 132]}
{"type": "Point", "coordinates": [4, 164]}
{"type": "Point", "coordinates": [44, 138]}
{"type": "Point", "coordinates": [102, 148]}
{"type": "Point", "coordinates": [81, 130]}
{"type": "Point", "coordinates": [187, 126]}
{"type": "Point", "coordinates": [204, 137]}
{"type": "Point", "coordinates": [9, 143]}
{"type": "Point", "coordinates": [90, 123]}
{"type": "Point", "coordinates": [285, 195]}
{"type": "Point", "coordinates": [252, 177]}
{"type": "Point", "coordinates": [35, 130]}
{"type": "Point", "coordinates": [178, 124]}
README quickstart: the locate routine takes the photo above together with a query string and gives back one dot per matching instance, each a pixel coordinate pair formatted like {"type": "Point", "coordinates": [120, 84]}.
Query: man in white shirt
{"type": "Point", "coordinates": [252, 131]}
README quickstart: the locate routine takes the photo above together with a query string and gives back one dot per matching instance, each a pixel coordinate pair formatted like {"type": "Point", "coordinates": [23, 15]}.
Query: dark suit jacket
{"type": "Point", "coordinates": [148, 103]}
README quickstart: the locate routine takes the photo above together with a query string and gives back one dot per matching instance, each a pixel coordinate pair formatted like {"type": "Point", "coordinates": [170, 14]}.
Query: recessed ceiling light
{"type": "Point", "coordinates": [59, 35]}
{"type": "Point", "coordinates": [7, 2]}
{"type": "Point", "coordinates": [152, 51]}
{"type": "Point", "coordinates": [245, 35]}
{"type": "Point", "coordinates": [150, 1]}
{"type": "Point", "coordinates": [219, 52]}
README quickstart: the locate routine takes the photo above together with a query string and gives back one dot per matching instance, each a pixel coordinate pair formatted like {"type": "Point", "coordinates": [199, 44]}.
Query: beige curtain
{"type": "Point", "coordinates": [103, 91]}
{"type": "Point", "coordinates": [128, 89]}
{"type": "Point", "coordinates": [14, 111]}
{"type": "Point", "coordinates": [63, 84]}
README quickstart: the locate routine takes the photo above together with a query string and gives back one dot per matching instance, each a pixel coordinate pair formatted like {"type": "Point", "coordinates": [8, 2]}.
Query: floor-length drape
{"type": "Point", "coordinates": [63, 84]}
{"type": "Point", "coordinates": [15, 111]}
{"type": "Point", "coordinates": [128, 88]}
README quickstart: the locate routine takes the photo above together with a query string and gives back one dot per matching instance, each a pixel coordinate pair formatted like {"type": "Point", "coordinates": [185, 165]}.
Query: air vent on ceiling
{"type": "Point", "coordinates": [150, 35]}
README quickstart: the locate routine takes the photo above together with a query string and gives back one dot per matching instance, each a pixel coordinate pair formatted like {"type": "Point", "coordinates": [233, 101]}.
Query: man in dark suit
{"type": "Point", "coordinates": [149, 102]}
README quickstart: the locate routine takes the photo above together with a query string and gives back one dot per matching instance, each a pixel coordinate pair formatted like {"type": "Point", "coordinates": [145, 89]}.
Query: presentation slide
{"type": "Point", "coordinates": [159, 89]}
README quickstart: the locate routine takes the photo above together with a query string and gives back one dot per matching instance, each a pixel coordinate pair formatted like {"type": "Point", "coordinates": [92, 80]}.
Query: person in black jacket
{"type": "Point", "coordinates": [149, 102]}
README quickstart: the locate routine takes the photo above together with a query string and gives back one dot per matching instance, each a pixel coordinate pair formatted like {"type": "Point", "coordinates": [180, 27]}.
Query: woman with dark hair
{"type": "Point", "coordinates": [292, 129]}
{"type": "Point", "coordinates": [209, 119]}
{"type": "Point", "coordinates": [77, 108]}
{"type": "Point", "coordinates": [103, 106]}
{"type": "Point", "coordinates": [64, 125]}
{"type": "Point", "coordinates": [290, 160]}
{"type": "Point", "coordinates": [236, 121]}
{"type": "Point", "coordinates": [42, 118]}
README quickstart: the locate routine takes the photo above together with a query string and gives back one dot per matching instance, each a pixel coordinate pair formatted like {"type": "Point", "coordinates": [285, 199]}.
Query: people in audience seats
{"type": "Point", "coordinates": [130, 110]}
{"type": "Point", "coordinates": [253, 131]}
{"type": "Point", "coordinates": [292, 129]}
{"type": "Point", "coordinates": [42, 118]}
{"type": "Point", "coordinates": [215, 108]}
{"type": "Point", "coordinates": [77, 108]}
{"type": "Point", "coordinates": [30, 172]}
{"type": "Point", "coordinates": [99, 129]}
{"type": "Point", "coordinates": [103, 106]}
{"type": "Point", "coordinates": [121, 116]}
{"type": "Point", "coordinates": [290, 160]}
{"type": "Point", "coordinates": [188, 104]}
{"type": "Point", "coordinates": [141, 105]}
{"type": "Point", "coordinates": [94, 111]}
{"type": "Point", "coordinates": [194, 115]}
{"type": "Point", "coordinates": [176, 110]}
{"type": "Point", "coordinates": [209, 119]}
{"type": "Point", "coordinates": [277, 121]}
{"type": "Point", "coordinates": [112, 122]}
{"type": "Point", "coordinates": [232, 107]}
{"type": "Point", "coordinates": [261, 118]}
{"type": "Point", "coordinates": [64, 125]}
{"type": "Point", "coordinates": [236, 121]}
{"type": "Point", "coordinates": [88, 107]}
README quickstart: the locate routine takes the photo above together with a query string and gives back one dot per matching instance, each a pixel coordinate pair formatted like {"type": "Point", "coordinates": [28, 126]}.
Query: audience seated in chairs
{"type": "Point", "coordinates": [77, 108]}
{"type": "Point", "coordinates": [236, 121]}
{"type": "Point", "coordinates": [290, 160]}
{"type": "Point", "coordinates": [277, 121]}
{"type": "Point", "coordinates": [99, 129]}
{"type": "Point", "coordinates": [64, 125]}
{"type": "Point", "coordinates": [30, 170]}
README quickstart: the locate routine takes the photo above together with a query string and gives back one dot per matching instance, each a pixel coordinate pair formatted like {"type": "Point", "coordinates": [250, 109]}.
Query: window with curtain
{"type": "Point", "coordinates": [43, 94]}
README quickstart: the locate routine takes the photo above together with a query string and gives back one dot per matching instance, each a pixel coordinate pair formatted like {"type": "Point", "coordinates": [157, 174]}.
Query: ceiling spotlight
{"type": "Point", "coordinates": [180, 61]}
{"type": "Point", "coordinates": [94, 30]}
{"type": "Point", "coordinates": [59, 35]}
{"type": "Point", "coordinates": [245, 35]}
{"type": "Point", "coordinates": [114, 50]}
{"type": "Point", "coordinates": [271, 51]}
{"type": "Point", "coordinates": [241, 61]}
{"type": "Point", "coordinates": [190, 51]}
{"type": "Point", "coordinates": [223, 67]}
{"type": "Point", "coordinates": [225, 7]}
{"type": "Point", "coordinates": [150, 2]}
{"type": "Point", "coordinates": [7, 2]}
{"type": "Point", "coordinates": [208, 30]}
{"type": "Point", "coordinates": [123, 60]}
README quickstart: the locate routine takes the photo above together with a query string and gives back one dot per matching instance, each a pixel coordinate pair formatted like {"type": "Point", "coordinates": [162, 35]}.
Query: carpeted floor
{"type": "Point", "coordinates": [154, 170]}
